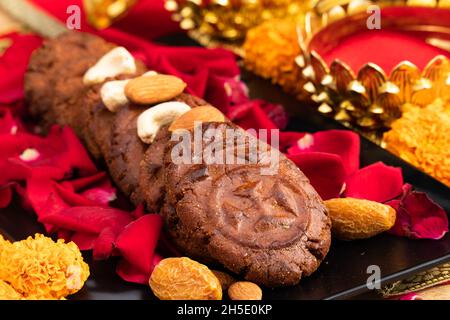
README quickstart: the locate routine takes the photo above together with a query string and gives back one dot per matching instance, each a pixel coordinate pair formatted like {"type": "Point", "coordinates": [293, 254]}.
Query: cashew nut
{"type": "Point", "coordinates": [151, 120]}
{"type": "Point", "coordinates": [117, 61]}
{"type": "Point", "coordinates": [113, 94]}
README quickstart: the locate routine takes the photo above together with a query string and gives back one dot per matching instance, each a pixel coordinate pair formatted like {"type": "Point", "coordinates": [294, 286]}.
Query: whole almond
{"type": "Point", "coordinates": [358, 218]}
{"type": "Point", "coordinates": [244, 290]}
{"type": "Point", "coordinates": [224, 278]}
{"type": "Point", "coordinates": [200, 114]}
{"type": "Point", "coordinates": [154, 89]}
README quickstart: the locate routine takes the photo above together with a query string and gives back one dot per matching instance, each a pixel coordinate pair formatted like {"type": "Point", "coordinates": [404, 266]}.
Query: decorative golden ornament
{"type": "Point", "coordinates": [102, 13]}
{"type": "Point", "coordinates": [370, 98]}
{"type": "Point", "coordinates": [423, 280]}
{"type": "Point", "coordinates": [226, 22]}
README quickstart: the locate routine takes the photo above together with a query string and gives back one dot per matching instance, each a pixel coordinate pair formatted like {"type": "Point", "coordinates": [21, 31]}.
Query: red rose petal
{"type": "Point", "coordinates": [277, 114]}
{"type": "Point", "coordinates": [84, 241]}
{"type": "Point", "coordinates": [13, 63]}
{"type": "Point", "coordinates": [100, 190]}
{"type": "Point", "coordinates": [101, 196]}
{"type": "Point", "coordinates": [89, 219]}
{"type": "Point", "coordinates": [129, 272]}
{"type": "Point", "coordinates": [8, 125]}
{"type": "Point", "coordinates": [103, 245]}
{"type": "Point", "coordinates": [288, 139]}
{"type": "Point", "coordinates": [343, 143]}
{"type": "Point", "coordinates": [137, 244]}
{"type": "Point", "coordinates": [72, 198]}
{"type": "Point", "coordinates": [106, 223]}
{"type": "Point", "coordinates": [251, 115]}
{"type": "Point", "coordinates": [325, 171]}
{"type": "Point", "coordinates": [418, 217]}
{"type": "Point", "coordinates": [84, 182]}
{"type": "Point", "coordinates": [65, 234]}
{"type": "Point", "coordinates": [138, 212]}
{"type": "Point", "coordinates": [44, 198]}
{"type": "Point", "coordinates": [377, 182]}
{"type": "Point", "coordinates": [64, 149]}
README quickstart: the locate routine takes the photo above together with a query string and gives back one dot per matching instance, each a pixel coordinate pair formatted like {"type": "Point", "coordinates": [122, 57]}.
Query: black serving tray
{"type": "Point", "coordinates": [342, 275]}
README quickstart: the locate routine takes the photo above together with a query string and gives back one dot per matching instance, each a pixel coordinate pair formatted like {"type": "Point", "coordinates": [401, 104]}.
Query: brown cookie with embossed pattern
{"type": "Point", "coordinates": [272, 229]}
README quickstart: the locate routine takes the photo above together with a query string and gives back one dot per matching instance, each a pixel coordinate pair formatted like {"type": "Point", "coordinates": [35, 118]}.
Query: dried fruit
{"type": "Point", "coordinates": [224, 278]}
{"type": "Point", "coordinates": [155, 89]}
{"type": "Point", "coordinates": [244, 290]}
{"type": "Point", "coordinates": [200, 114]}
{"type": "Point", "coordinates": [184, 279]}
{"type": "Point", "coordinates": [359, 218]}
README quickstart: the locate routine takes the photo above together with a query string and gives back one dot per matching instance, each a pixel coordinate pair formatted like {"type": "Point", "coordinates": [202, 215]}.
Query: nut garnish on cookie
{"type": "Point", "coordinates": [117, 61]}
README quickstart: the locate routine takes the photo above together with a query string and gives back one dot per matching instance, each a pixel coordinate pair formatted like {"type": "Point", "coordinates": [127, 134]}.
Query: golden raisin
{"type": "Point", "coordinates": [359, 218]}
{"type": "Point", "coordinates": [184, 279]}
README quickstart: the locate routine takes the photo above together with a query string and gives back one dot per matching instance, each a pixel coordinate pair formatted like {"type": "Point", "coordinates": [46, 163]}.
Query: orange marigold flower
{"type": "Point", "coordinates": [421, 137]}
{"type": "Point", "coordinates": [270, 50]}
{"type": "Point", "coordinates": [39, 268]}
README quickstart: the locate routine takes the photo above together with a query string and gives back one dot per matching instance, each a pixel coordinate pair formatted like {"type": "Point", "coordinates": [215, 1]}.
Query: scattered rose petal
{"type": "Point", "coordinates": [251, 115]}
{"type": "Point", "coordinates": [73, 199]}
{"type": "Point", "coordinates": [287, 139]}
{"type": "Point", "coordinates": [128, 272]}
{"type": "Point", "coordinates": [137, 244]}
{"type": "Point", "coordinates": [277, 114]}
{"type": "Point", "coordinates": [103, 245]}
{"type": "Point", "coordinates": [343, 143]}
{"type": "Point", "coordinates": [44, 198]}
{"type": "Point", "coordinates": [236, 90]}
{"type": "Point", "coordinates": [8, 124]}
{"type": "Point", "coordinates": [89, 219]}
{"type": "Point", "coordinates": [101, 196]}
{"type": "Point", "coordinates": [84, 241]}
{"type": "Point", "coordinates": [106, 223]}
{"type": "Point", "coordinates": [13, 63]}
{"type": "Point", "coordinates": [85, 182]}
{"type": "Point", "coordinates": [418, 217]}
{"type": "Point", "coordinates": [325, 171]}
{"type": "Point", "coordinates": [138, 212]}
{"type": "Point", "coordinates": [376, 182]}
{"type": "Point", "coordinates": [304, 143]}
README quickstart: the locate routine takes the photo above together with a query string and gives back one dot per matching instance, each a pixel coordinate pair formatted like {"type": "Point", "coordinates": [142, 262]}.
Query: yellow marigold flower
{"type": "Point", "coordinates": [421, 137]}
{"type": "Point", "coordinates": [39, 268]}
